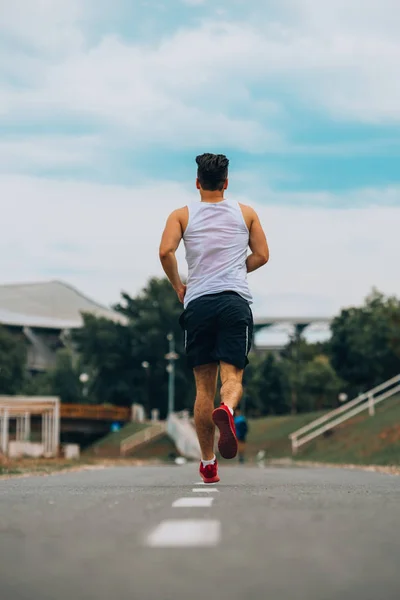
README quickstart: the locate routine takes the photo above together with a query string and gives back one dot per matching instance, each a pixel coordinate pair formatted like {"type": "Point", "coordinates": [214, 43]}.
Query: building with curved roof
{"type": "Point", "coordinates": [44, 312]}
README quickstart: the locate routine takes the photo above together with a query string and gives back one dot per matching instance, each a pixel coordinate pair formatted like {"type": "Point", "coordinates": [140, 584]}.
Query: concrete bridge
{"type": "Point", "coordinates": [300, 323]}
{"type": "Point", "coordinates": [84, 423]}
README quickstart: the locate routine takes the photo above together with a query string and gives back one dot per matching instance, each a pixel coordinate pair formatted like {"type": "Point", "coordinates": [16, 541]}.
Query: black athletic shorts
{"type": "Point", "coordinates": [217, 327]}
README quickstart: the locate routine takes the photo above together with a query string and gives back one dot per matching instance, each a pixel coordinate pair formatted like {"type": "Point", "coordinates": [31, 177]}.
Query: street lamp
{"type": "Point", "coordinates": [146, 367]}
{"type": "Point", "coordinates": [172, 356]}
{"type": "Point", "coordinates": [84, 378]}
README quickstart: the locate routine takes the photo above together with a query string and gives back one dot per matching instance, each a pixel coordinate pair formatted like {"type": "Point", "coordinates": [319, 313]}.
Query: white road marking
{"type": "Point", "coordinates": [205, 490]}
{"type": "Point", "coordinates": [193, 503]}
{"type": "Point", "coordinates": [203, 483]}
{"type": "Point", "coordinates": [187, 533]}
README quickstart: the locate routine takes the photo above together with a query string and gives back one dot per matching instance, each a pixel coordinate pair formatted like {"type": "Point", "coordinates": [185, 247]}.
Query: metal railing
{"type": "Point", "coordinates": [365, 401]}
{"type": "Point", "coordinates": [141, 437]}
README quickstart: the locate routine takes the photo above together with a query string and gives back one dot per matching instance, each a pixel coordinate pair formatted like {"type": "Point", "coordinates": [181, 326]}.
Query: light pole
{"type": "Point", "coordinates": [84, 378]}
{"type": "Point", "coordinates": [146, 367]}
{"type": "Point", "coordinates": [172, 356]}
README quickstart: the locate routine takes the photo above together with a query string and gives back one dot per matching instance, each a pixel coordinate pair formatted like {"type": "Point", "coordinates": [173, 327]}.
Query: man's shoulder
{"type": "Point", "coordinates": [249, 214]}
{"type": "Point", "coordinates": [179, 213]}
{"type": "Point", "coordinates": [247, 208]}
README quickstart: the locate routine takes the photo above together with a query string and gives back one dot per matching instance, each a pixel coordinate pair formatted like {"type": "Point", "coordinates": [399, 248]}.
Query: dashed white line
{"type": "Point", "coordinates": [191, 502]}
{"type": "Point", "coordinates": [203, 483]}
{"type": "Point", "coordinates": [187, 533]}
{"type": "Point", "coordinates": [205, 490]}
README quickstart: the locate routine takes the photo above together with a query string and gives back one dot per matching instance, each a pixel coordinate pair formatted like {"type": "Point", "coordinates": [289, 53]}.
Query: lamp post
{"type": "Point", "coordinates": [146, 367]}
{"type": "Point", "coordinates": [84, 378]}
{"type": "Point", "coordinates": [172, 356]}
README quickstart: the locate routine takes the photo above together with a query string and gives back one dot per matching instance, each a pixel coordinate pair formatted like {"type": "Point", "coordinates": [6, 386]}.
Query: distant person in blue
{"type": "Point", "coordinates": [241, 433]}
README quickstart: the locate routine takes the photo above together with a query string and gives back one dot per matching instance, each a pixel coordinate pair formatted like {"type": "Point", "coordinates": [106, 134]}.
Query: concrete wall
{"type": "Point", "coordinates": [182, 432]}
{"type": "Point", "coordinates": [71, 451]}
{"type": "Point", "coordinates": [18, 449]}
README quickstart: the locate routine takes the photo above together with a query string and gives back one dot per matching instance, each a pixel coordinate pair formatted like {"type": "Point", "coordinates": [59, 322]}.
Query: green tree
{"type": "Point", "coordinates": [268, 388]}
{"type": "Point", "coordinates": [108, 354]}
{"type": "Point", "coordinates": [113, 354]}
{"type": "Point", "coordinates": [296, 354]}
{"type": "Point", "coordinates": [153, 314]}
{"type": "Point", "coordinates": [39, 384]}
{"type": "Point", "coordinates": [64, 379]}
{"type": "Point", "coordinates": [365, 343]}
{"type": "Point", "coordinates": [13, 352]}
{"type": "Point", "coordinates": [319, 385]}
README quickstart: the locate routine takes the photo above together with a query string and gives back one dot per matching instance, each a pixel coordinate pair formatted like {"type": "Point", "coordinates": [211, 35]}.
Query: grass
{"type": "Point", "coordinates": [271, 434]}
{"type": "Point", "coordinates": [361, 440]}
{"type": "Point", "coordinates": [43, 466]}
{"type": "Point", "coordinates": [161, 448]}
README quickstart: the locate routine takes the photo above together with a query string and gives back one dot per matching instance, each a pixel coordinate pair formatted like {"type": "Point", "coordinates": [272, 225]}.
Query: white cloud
{"type": "Point", "coordinates": [214, 83]}
{"type": "Point", "coordinates": [29, 153]}
{"type": "Point", "coordinates": [43, 25]}
{"type": "Point", "coordinates": [105, 238]}
{"type": "Point", "coordinates": [195, 86]}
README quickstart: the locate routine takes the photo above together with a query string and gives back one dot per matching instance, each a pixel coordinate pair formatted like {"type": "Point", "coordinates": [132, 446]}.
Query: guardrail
{"type": "Point", "coordinates": [365, 401]}
{"type": "Point", "coordinates": [95, 412]}
{"type": "Point", "coordinates": [141, 437]}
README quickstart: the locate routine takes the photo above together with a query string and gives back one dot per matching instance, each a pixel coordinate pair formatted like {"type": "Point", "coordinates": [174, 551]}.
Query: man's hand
{"type": "Point", "coordinates": [181, 292]}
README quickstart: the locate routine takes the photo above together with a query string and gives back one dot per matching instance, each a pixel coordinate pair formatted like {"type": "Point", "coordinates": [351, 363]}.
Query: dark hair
{"type": "Point", "coordinates": [212, 171]}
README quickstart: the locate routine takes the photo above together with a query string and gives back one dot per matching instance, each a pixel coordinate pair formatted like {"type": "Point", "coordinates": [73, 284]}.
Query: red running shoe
{"type": "Point", "coordinates": [223, 419]}
{"type": "Point", "coordinates": [209, 473]}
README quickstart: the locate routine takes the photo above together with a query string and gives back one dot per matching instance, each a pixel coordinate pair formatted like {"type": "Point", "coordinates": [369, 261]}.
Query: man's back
{"type": "Point", "coordinates": [217, 321]}
{"type": "Point", "coordinates": [216, 240]}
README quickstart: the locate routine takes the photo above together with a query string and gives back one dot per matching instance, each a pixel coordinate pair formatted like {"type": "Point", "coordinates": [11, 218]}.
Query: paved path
{"type": "Point", "coordinates": [278, 534]}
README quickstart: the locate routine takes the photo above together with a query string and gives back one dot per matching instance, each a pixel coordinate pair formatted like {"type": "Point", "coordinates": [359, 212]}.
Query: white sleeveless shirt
{"type": "Point", "coordinates": [216, 242]}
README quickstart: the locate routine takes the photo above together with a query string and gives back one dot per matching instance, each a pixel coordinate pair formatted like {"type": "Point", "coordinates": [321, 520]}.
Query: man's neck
{"type": "Point", "coordinates": [212, 197]}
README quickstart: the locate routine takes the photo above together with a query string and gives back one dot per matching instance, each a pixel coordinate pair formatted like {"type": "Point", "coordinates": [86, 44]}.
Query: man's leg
{"type": "Point", "coordinates": [231, 393]}
{"type": "Point", "coordinates": [232, 388]}
{"type": "Point", "coordinates": [206, 386]}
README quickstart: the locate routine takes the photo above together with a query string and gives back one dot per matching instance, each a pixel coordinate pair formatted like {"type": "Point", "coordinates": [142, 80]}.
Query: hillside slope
{"type": "Point", "coordinates": [109, 445]}
{"type": "Point", "coordinates": [362, 440]}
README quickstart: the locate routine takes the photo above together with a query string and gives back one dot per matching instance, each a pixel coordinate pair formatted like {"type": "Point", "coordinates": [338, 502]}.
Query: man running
{"type": "Point", "coordinates": [217, 320]}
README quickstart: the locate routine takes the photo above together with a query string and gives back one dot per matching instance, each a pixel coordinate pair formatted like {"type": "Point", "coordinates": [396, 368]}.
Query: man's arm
{"type": "Point", "coordinates": [257, 242]}
{"type": "Point", "coordinates": [170, 241]}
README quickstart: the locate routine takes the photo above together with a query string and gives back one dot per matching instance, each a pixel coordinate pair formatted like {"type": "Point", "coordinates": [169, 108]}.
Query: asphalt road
{"type": "Point", "coordinates": [279, 534]}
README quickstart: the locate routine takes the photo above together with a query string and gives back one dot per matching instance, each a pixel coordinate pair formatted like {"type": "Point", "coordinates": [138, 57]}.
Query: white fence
{"type": "Point", "coordinates": [366, 401]}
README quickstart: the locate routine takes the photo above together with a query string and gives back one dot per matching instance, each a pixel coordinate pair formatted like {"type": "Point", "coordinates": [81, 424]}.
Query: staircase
{"type": "Point", "coordinates": [366, 401]}
{"type": "Point", "coordinates": [142, 437]}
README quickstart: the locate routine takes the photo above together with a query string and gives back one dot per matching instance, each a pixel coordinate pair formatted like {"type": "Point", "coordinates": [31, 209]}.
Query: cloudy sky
{"type": "Point", "coordinates": [105, 103]}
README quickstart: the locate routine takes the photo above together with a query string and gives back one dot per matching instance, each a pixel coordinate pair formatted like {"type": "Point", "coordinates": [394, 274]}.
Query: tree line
{"type": "Point", "coordinates": [126, 363]}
